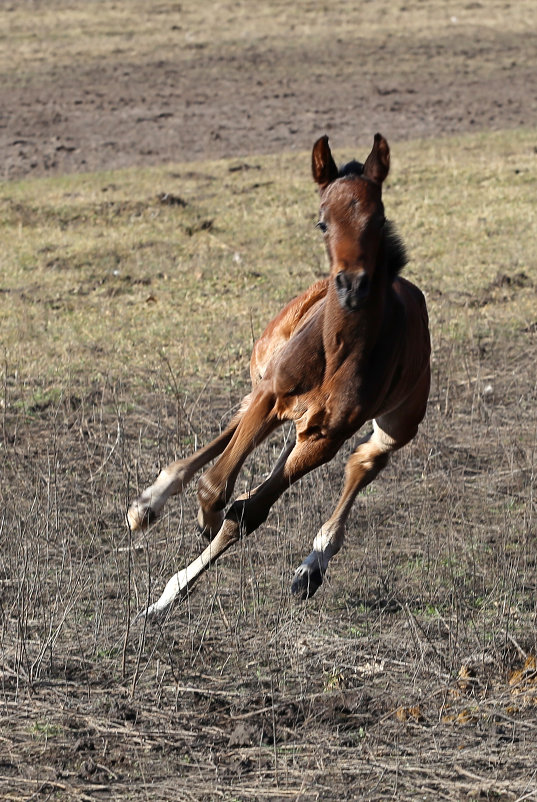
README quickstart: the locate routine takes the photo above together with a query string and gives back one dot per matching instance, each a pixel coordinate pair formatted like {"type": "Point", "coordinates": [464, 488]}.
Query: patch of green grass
{"type": "Point", "coordinates": [45, 729]}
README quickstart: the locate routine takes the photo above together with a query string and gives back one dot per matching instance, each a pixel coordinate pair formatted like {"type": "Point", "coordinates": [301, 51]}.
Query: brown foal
{"type": "Point", "coordinates": [352, 348]}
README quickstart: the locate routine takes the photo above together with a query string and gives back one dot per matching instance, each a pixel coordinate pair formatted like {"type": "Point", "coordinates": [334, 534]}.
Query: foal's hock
{"type": "Point", "coordinates": [352, 348]}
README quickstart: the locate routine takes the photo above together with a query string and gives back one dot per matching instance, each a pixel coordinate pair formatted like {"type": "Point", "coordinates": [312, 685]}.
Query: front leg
{"type": "Point", "coordinates": [247, 513]}
{"type": "Point", "coordinates": [390, 432]}
{"type": "Point", "coordinates": [173, 479]}
{"type": "Point", "coordinates": [216, 485]}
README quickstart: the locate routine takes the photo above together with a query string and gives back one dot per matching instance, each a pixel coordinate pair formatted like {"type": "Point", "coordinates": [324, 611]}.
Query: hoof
{"type": "Point", "coordinates": [209, 524]}
{"type": "Point", "coordinates": [140, 516]}
{"type": "Point", "coordinates": [175, 592]}
{"type": "Point", "coordinates": [150, 613]}
{"type": "Point", "coordinates": [306, 581]}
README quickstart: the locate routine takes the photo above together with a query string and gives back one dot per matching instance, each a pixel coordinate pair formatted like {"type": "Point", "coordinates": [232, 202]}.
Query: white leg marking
{"type": "Point", "coordinates": [148, 506]}
{"type": "Point", "coordinates": [329, 540]}
{"type": "Point", "coordinates": [382, 439]}
{"type": "Point", "coordinates": [183, 581]}
{"type": "Point", "coordinates": [309, 575]}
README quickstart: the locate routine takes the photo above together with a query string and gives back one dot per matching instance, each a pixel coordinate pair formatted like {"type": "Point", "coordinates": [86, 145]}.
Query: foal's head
{"type": "Point", "coordinates": [352, 218]}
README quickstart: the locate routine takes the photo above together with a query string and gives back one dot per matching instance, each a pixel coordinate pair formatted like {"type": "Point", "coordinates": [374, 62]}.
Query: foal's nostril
{"type": "Point", "coordinates": [341, 281]}
{"type": "Point", "coordinates": [352, 289]}
{"type": "Point", "coordinates": [362, 286]}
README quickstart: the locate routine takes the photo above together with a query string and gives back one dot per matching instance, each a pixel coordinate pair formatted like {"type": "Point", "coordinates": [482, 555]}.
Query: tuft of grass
{"type": "Point", "coordinates": [45, 730]}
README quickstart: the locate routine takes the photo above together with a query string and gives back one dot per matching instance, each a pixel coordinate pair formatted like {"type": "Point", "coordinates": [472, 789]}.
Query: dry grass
{"type": "Point", "coordinates": [60, 33]}
{"type": "Point", "coordinates": [113, 270]}
{"type": "Point", "coordinates": [129, 301]}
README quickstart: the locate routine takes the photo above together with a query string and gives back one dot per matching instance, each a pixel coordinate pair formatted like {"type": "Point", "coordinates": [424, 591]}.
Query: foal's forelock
{"type": "Point", "coordinates": [352, 168]}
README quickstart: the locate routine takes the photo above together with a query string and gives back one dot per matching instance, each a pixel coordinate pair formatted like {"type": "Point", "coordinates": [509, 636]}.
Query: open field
{"type": "Point", "coordinates": [106, 84]}
{"type": "Point", "coordinates": [129, 299]}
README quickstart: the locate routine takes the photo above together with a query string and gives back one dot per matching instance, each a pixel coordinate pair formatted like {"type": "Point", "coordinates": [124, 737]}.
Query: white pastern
{"type": "Point", "coordinates": [149, 505]}
{"type": "Point", "coordinates": [182, 582]}
{"type": "Point", "coordinates": [177, 586]}
{"type": "Point", "coordinates": [328, 541]}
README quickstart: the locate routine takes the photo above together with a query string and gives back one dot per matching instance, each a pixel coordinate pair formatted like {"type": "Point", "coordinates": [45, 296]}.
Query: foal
{"type": "Point", "coordinates": [353, 347]}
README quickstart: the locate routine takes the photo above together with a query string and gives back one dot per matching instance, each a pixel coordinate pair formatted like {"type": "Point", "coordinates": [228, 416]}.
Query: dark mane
{"type": "Point", "coordinates": [394, 250]}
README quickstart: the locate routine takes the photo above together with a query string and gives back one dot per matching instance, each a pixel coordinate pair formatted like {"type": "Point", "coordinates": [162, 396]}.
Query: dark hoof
{"type": "Point", "coordinates": [306, 581]}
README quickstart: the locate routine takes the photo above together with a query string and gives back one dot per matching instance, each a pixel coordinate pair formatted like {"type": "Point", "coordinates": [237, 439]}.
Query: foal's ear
{"type": "Point", "coordinates": [323, 165]}
{"type": "Point", "coordinates": [377, 164]}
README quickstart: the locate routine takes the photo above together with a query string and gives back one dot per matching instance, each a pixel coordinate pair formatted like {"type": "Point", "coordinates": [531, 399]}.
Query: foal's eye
{"type": "Point", "coordinates": [322, 225]}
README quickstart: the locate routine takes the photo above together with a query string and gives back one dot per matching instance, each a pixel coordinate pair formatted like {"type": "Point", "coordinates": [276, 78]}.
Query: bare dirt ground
{"type": "Point", "coordinates": [412, 674]}
{"type": "Point", "coordinates": [272, 82]}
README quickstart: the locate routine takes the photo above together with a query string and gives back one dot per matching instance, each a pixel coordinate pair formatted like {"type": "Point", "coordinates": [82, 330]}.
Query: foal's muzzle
{"type": "Point", "coordinates": [352, 289]}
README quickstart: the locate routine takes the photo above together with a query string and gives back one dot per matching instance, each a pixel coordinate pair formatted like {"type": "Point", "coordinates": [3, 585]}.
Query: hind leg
{"type": "Point", "coordinates": [370, 457]}
{"type": "Point", "coordinates": [390, 432]}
